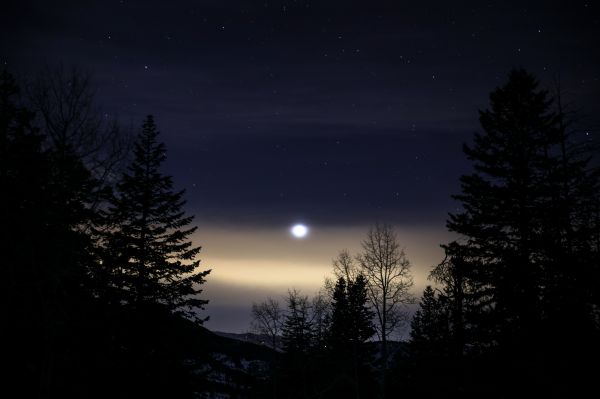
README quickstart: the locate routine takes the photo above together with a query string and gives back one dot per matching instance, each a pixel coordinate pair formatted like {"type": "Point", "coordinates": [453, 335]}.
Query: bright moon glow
{"type": "Point", "coordinates": [299, 230]}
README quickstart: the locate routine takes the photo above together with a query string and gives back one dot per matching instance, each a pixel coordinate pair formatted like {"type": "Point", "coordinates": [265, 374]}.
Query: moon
{"type": "Point", "coordinates": [299, 230]}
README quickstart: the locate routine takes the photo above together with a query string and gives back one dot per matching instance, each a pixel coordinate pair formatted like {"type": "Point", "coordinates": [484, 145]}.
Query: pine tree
{"type": "Point", "coordinates": [297, 330]}
{"type": "Point", "coordinates": [526, 251]}
{"type": "Point", "coordinates": [351, 328]}
{"type": "Point", "coordinates": [503, 203]}
{"type": "Point", "coordinates": [297, 363]}
{"type": "Point", "coordinates": [351, 318]}
{"type": "Point", "coordinates": [149, 258]}
{"type": "Point", "coordinates": [462, 299]}
{"type": "Point", "coordinates": [570, 231]}
{"type": "Point", "coordinates": [430, 329]}
{"type": "Point", "coordinates": [339, 331]}
{"type": "Point", "coordinates": [361, 316]}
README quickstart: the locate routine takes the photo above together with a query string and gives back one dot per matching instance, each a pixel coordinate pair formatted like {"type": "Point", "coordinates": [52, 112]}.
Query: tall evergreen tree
{"type": "Point", "coordinates": [351, 328]}
{"type": "Point", "coordinates": [525, 254]}
{"type": "Point", "coordinates": [149, 258]}
{"type": "Point", "coordinates": [570, 232]}
{"type": "Point", "coordinates": [503, 201]}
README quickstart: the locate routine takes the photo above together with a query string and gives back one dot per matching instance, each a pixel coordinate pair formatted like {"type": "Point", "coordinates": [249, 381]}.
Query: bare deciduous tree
{"type": "Point", "coordinates": [345, 266]}
{"type": "Point", "coordinates": [387, 270]}
{"type": "Point", "coordinates": [63, 100]}
{"type": "Point", "coordinates": [267, 319]}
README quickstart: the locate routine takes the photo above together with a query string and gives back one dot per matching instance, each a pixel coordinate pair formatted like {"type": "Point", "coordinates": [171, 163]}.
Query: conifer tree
{"type": "Point", "coordinates": [45, 249]}
{"type": "Point", "coordinates": [361, 316]}
{"type": "Point", "coordinates": [339, 331]}
{"type": "Point", "coordinates": [297, 330]}
{"type": "Point", "coordinates": [297, 363]}
{"type": "Point", "coordinates": [320, 319]}
{"type": "Point", "coordinates": [24, 172]}
{"type": "Point", "coordinates": [430, 332]}
{"type": "Point", "coordinates": [526, 249]}
{"type": "Point", "coordinates": [149, 256]}
{"type": "Point", "coordinates": [503, 203]}
{"type": "Point", "coordinates": [351, 328]}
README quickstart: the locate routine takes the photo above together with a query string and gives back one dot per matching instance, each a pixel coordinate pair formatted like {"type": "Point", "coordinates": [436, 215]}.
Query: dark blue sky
{"type": "Point", "coordinates": [278, 108]}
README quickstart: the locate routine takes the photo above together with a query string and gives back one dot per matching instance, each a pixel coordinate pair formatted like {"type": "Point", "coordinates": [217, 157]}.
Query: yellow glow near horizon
{"type": "Point", "coordinates": [250, 264]}
{"type": "Point", "coordinates": [269, 273]}
{"type": "Point", "coordinates": [270, 259]}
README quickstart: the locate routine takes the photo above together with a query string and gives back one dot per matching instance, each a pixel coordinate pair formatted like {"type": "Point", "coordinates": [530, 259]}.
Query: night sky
{"type": "Point", "coordinates": [336, 114]}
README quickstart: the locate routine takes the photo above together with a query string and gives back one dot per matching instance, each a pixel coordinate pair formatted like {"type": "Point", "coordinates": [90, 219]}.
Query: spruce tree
{"type": "Point", "coordinates": [430, 332]}
{"type": "Point", "coordinates": [297, 363]}
{"type": "Point", "coordinates": [149, 257]}
{"type": "Point", "coordinates": [339, 330]}
{"type": "Point", "coordinates": [526, 246]}
{"type": "Point", "coordinates": [297, 330]}
{"type": "Point", "coordinates": [351, 327]}
{"type": "Point", "coordinates": [351, 317]}
{"type": "Point", "coordinates": [360, 314]}
{"type": "Point", "coordinates": [503, 204]}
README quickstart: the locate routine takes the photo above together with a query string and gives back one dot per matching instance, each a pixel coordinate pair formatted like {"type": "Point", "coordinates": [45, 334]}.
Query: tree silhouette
{"type": "Point", "coordinates": [461, 296]}
{"type": "Point", "coordinates": [320, 318]}
{"type": "Point", "coordinates": [387, 272]}
{"type": "Point", "coordinates": [24, 172]}
{"type": "Point", "coordinates": [63, 101]}
{"type": "Point", "coordinates": [267, 319]}
{"type": "Point", "coordinates": [297, 363]}
{"type": "Point", "coordinates": [297, 331]}
{"type": "Point", "coordinates": [501, 201]}
{"type": "Point", "coordinates": [430, 326]}
{"type": "Point", "coordinates": [64, 338]}
{"type": "Point", "coordinates": [351, 328]}
{"type": "Point", "coordinates": [149, 257]}
{"type": "Point", "coordinates": [344, 266]}
{"type": "Point", "coordinates": [46, 251]}
{"type": "Point", "coordinates": [523, 267]}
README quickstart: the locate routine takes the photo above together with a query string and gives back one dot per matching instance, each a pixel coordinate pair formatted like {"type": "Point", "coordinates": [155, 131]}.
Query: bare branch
{"type": "Point", "coordinates": [267, 319]}
{"type": "Point", "coordinates": [389, 280]}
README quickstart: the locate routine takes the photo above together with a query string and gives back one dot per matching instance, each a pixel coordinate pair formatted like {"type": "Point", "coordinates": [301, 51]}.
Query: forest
{"type": "Point", "coordinates": [103, 287]}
